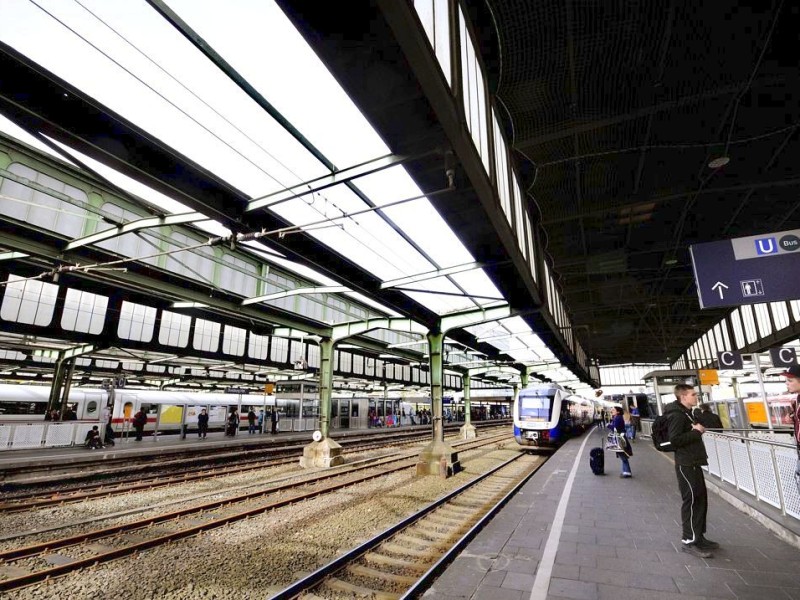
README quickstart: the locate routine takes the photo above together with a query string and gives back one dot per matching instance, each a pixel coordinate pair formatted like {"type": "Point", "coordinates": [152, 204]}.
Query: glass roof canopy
{"type": "Point", "coordinates": [132, 60]}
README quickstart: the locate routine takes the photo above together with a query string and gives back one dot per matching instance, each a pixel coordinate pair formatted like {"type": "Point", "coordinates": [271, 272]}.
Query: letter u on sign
{"type": "Point", "coordinates": [766, 246]}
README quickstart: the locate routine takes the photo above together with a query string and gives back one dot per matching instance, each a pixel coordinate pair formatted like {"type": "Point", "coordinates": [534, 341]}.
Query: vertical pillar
{"type": "Point", "coordinates": [437, 458]}
{"type": "Point", "coordinates": [325, 385]}
{"type": "Point", "coordinates": [435, 346]}
{"type": "Point", "coordinates": [54, 400]}
{"type": "Point", "coordinates": [760, 375]}
{"type": "Point", "coordinates": [468, 430]}
{"type": "Point", "coordinates": [323, 451]}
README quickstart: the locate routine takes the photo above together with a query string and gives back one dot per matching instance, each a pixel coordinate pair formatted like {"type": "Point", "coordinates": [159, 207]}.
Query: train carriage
{"type": "Point", "coordinates": [545, 415]}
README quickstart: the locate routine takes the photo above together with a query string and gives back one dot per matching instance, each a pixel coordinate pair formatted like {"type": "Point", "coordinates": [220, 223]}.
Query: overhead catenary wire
{"type": "Point", "coordinates": [215, 241]}
{"type": "Point", "coordinates": [377, 240]}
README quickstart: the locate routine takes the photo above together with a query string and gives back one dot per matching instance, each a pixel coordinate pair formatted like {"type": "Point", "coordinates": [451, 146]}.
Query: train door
{"type": "Point", "coordinates": [344, 413]}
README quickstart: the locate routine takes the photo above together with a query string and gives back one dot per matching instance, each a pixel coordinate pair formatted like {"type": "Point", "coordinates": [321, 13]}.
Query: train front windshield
{"type": "Point", "coordinates": [536, 408]}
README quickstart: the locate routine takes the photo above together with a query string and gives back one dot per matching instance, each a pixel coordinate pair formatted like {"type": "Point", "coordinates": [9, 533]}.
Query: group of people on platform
{"type": "Point", "coordinates": [256, 423]}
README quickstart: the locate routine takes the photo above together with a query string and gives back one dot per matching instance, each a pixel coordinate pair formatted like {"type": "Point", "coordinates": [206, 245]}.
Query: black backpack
{"type": "Point", "coordinates": [660, 434]}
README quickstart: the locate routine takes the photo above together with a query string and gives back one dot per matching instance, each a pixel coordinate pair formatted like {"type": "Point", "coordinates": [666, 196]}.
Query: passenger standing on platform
{"type": "Point", "coordinates": [202, 423]}
{"type": "Point", "coordinates": [708, 419]}
{"type": "Point", "coordinates": [251, 421]}
{"type": "Point", "coordinates": [233, 422]}
{"type": "Point", "coordinates": [618, 425]}
{"type": "Point", "coordinates": [792, 375]}
{"type": "Point", "coordinates": [261, 421]}
{"type": "Point", "coordinates": [635, 421]}
{"type": "Point", "coordinates": [686, 437]}
{"type": "Point", "coordinates": [108, 437]}
{"type": "Point", "coordinates": [274, 420]}
{"type": "Point", "coordinates": [139, 421]}
{"type": "Point", "coordinates": [70, 415]}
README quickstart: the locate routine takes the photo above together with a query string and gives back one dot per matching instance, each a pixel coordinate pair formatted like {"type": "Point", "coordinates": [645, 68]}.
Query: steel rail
{"type": "Point", "coordinates": [105, 490]}
{"type": "Point", "coordinates": [34, 550]}
{"type": "Point", "coordinates": [318, 576]}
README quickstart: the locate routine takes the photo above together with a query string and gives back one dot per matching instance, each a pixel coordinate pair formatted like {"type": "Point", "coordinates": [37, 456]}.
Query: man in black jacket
{"type": "Point", "coordinates": [686, 437]}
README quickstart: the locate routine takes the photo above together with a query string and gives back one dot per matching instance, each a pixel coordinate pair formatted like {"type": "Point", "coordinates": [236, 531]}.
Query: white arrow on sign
{"type": "Point", "coordinates": [718, 287]}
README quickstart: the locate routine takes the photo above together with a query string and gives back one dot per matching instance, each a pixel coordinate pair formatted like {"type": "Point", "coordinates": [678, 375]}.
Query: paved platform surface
{"type": "Point", "coordinates": [620, 540]}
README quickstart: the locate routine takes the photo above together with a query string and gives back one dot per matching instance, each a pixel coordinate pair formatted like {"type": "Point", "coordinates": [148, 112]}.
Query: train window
{"type": "Point", "coordinates": [91, 407]}
{"type": "Point", "coordinates": [24, 408]}
{"type": "Point", "coordinates": [535, 408]}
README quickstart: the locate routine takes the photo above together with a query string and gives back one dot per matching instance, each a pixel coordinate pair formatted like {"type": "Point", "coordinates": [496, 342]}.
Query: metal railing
{"type": "Point", "coordinates": [756, 463]}
{"type": "Point", "coordinates": [43, 434]}
{"type": "Point", "coordinates": [759, 462]}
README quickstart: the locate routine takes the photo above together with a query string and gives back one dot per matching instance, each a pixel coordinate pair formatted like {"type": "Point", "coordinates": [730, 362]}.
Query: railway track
{"type": "Point", "coordinates": [403, 560]}
{"type": "Point", "coordinates": [69, 494]}
{"type": "Point", "coordinates": [30, 564]}
{"type": "Point", "coordinates": [126, 465]}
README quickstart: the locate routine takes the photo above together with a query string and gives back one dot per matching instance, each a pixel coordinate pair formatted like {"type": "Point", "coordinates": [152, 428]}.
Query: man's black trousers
{"type": "Point", "coordinates": [692, 485]}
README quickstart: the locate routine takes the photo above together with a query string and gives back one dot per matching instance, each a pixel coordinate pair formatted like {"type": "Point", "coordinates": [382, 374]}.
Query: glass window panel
{"type": "Point", "coordinates": [84, 312]}
{"type": "Point", "coordinates": [795, 304]}
{"type": "Point", "coordinates": [233, 340]}
{"type": "Point", "coordinates": [738, 330]}
{"type": "Point", "coordinates": [780, 314]}
{"type": "Point", "coordinates": [28, 301]}
{"type": "Point", "coordinates": [749, 324]}
{"type": "Point", "coordinates": [174, 329]}
{"type": "Point", "coordinates": [258, 346]}
{"type": "Point", "coordinates": [313, 357]}
{"type": "Point", "coordinates": [43, 210]}
{"type": "Point", "coordinates": [762, 317]}
{"type": "Point", "coordinates": [136, 322]}
{"type": "Point", "coordinates": [346, 362]}
{"type": "Point", "coordinates": [358, 364]}
{"type": "Point", "coordinates": [279, 350]}
{"type": "Point", "coordinates": [206, 335]}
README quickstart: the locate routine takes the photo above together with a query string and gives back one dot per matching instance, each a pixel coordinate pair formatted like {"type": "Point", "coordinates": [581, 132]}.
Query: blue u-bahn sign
{"type": "Point", "coordinates": [748, 270]}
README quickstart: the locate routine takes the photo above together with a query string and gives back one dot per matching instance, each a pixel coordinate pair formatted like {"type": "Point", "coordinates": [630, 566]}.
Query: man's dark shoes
{"type": "Point", "coordinates": [696, 551]}
{"type": "Point", "coordinates": [707, 544]}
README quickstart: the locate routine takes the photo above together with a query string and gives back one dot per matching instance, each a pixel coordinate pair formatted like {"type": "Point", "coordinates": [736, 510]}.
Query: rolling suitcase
{"type": "Point", "coordinates": [597, 460]}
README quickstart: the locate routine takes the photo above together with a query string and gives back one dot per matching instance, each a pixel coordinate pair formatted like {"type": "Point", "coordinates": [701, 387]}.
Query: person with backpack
{"type": "Point", "coordinates": [139, 421]}
{"type": "Point", "coordinates": [251, 421]}
{"type": "Point", "coordinates": [617, 424]}
{"type": "Point", "coordinates": [686, 440]}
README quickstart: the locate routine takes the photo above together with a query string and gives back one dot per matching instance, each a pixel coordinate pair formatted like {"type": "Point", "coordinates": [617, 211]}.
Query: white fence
{"type": "Point", "coordinates": [757, 465]}
{"type": "Point", "coordinates": [42, 434]}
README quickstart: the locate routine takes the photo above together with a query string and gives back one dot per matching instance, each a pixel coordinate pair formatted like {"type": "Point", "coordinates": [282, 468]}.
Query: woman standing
{"type": "Point", "coordinates": [618, 424]}
{"type": "Point", "coordinates": [202, 423]}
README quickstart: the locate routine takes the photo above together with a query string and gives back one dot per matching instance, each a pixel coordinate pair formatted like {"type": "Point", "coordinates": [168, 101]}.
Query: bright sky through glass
{"type": "Point", "coordinates": [127, 57]}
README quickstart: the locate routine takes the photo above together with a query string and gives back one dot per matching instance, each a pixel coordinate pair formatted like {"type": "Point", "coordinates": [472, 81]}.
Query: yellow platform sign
{"type": "Point", "coordinates": [708, 376]}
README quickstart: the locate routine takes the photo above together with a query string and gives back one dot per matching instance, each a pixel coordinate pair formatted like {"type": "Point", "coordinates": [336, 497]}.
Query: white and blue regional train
{"type": "Point", "coordinates": [546, 415]}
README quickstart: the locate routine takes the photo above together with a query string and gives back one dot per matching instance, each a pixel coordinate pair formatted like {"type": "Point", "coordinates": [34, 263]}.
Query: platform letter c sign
{"type": "Point", "coordinates": [766, 246]}
{"type": "Point", "coordinates": [783, 357]}
{"type": "Point", "coordinates": [729, 360]}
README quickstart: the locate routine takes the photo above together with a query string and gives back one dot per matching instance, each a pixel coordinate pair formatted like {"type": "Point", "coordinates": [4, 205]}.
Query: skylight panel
{"type": "Point", "coordinates": [477, 283]}
{"type": "Point", "coordinates": [15, 131]}
{"type": "Point", "coordinates": [366, 239]}
{"type": "Point", "coordinates": [263, 159]}
{"type": "Point", "coordinates": [419, 218]}
{"type": "Point", "coordinates": [270, 53]}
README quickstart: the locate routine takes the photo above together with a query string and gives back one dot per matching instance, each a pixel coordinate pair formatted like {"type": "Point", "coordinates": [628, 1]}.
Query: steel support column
{"type": "Point", "coordinates": [323, 451]}
{"type": "Point", "coordinates": [437, 458]}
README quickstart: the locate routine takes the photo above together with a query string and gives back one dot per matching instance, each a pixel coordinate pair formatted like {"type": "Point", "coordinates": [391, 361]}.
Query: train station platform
{"type": "Point", "coordinates": [572, 534]}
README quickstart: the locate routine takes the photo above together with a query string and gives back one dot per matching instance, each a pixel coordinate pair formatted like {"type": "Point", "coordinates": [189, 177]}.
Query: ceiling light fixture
{"type": "Point", "coordinates": [719, 162]}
